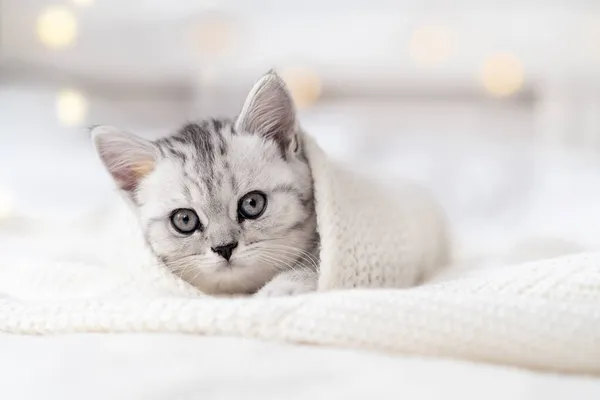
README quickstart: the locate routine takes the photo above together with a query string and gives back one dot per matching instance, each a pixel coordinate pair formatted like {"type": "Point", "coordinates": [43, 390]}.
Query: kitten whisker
{"type": "Point", "coordinates": [295, 267]}
{"type": "Point", "coordinates": [302, 254]}
{"type": "Point", "coordinates": [297, 260]}
{"type": "Point", "coordinates": [277, 264]}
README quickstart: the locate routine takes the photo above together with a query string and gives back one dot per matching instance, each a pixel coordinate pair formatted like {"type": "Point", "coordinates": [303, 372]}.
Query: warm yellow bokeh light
{"type": "Point", "coordinates": [83, 3]}
{"type": "Point", "coordinates": [502, 74]}
{"type": "Point", "coordinates": [304, 85]}
{"type": "Point", "coordinates": [7, 204]}
{"type": "Point", "coordinates": [71, 107]}
{"type": "Point", "coordinates": [57, 27]}
{"type": "Point", "coordinates": [213, 37]}
{"type": "Point", "coordinates": [430, 45]}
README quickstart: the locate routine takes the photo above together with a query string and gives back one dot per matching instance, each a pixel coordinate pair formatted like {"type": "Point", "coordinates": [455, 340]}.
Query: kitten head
{"type": "Point", "coordinates": [224, 204]}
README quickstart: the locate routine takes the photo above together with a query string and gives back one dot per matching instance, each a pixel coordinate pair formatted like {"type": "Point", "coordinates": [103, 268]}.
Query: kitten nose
{"type": "Point", "coordinates": [225, 250]}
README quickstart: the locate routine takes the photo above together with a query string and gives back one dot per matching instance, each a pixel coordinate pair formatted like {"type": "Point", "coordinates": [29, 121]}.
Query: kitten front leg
{"type": "Point", "coordinates": [289, 283]}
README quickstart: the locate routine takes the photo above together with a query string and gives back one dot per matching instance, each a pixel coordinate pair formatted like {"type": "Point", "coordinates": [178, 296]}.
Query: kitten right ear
{"type": "Point", "coordinates": [269, 111]}
{"type": "Point", "coordinates": [126, 156]}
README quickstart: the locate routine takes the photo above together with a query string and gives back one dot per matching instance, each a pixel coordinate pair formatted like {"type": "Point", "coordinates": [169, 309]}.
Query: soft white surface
{"type": "Point", "coordinates": [543, 315]}
{"type": "Point", "coordinates": [172, 367]}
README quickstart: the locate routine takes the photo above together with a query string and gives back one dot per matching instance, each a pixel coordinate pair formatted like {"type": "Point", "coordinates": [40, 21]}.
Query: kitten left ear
{"type": "Point", "coordinates": [269, 111]}
{"type": "Point", "coordinates": [128, 158]}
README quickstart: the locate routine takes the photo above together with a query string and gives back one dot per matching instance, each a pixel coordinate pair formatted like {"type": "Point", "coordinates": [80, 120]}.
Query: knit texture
{"type": "Point", "coordinates": [371, 237]}
{"type": "Point", "coordinates": [543, 315]}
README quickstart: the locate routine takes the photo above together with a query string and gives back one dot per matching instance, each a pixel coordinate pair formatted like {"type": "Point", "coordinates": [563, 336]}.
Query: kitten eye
{"type": "Point", "coordinates": [252, 205]}
{"type": "Point", "coordinates": [185, 221]}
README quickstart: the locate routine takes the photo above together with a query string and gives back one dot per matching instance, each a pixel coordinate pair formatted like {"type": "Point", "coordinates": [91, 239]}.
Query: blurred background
{"type": "Point", "coordinates": [493, 105]}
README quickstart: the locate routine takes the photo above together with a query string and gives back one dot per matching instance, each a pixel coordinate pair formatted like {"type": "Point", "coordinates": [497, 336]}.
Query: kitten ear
{"type": "Point", "coordinates": [126, 156]}
{"type": "Point", "coordinates": [269, 111]}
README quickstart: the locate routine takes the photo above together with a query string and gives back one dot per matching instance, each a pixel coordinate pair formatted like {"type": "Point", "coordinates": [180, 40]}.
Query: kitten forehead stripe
{"type": "Point", "coordinates": [202, 139]}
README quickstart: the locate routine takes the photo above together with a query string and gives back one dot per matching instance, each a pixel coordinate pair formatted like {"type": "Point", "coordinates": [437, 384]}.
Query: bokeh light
{"type": "Point", "coordinates": [83, 3]}
{"type": "Point", "coordinates": [7, 204]}
{"type": "Point", "coordinates": [213, 37]}
{"type": "Point", "coordinates": [304, 84]}
{"type": "Point", "coordinates": [71, 107]}
{"type": "Point", "coordinates": [430, 45]}
{"type": "Point", "coordinates": [502, 74]}
{"type": "Point", "coordinates": [57, 27]}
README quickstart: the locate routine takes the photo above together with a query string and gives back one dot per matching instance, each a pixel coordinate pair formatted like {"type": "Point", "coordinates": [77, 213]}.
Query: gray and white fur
{"type": "Point", "coordinates": [207, 167]}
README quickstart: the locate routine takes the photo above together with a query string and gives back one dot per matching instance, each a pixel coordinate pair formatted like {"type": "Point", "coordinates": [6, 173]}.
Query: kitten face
{"type": "Point", "coordinates": [212, 185]}
{"type": "Point", "coordinates": [226, 205]}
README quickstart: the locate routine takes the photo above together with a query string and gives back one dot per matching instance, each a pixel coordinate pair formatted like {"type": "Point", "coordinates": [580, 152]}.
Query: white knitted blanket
{"type": "Point", "coordinates": [543, 315]}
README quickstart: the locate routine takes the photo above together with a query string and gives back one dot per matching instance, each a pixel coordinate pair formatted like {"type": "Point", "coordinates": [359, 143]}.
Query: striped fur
{"type": "Point", "coordinates": [208, 166]}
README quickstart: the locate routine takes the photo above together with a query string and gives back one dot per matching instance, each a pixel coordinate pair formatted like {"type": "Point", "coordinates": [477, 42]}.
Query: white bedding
{"type": "Point", "coordinates": [541, 315]}
{"type": "Point", "coordinates": [151, 366]}
{"type": "Point", "coordinates": [172, 367]}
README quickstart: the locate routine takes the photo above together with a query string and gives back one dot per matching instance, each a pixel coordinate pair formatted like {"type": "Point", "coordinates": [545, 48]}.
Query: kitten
{"type": "Point", "coordinates": [225, 204]}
